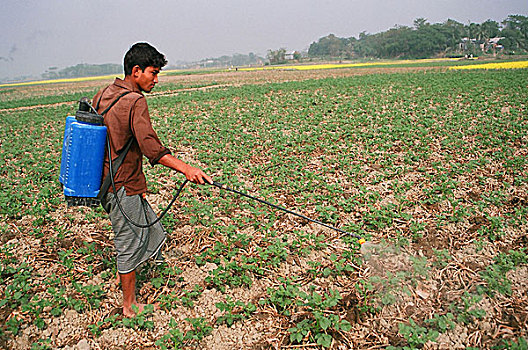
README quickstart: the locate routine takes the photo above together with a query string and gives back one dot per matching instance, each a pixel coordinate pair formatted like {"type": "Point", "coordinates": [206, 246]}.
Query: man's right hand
{"type": "Point", "coordinates": [197, 176]}
{"type": "Point", "coordinates": [193, 174]}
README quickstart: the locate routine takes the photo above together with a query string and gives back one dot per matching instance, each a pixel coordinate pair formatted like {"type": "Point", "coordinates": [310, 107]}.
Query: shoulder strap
{"type": "Point", "coordinates": [100, 97]}
{"type": "Point", "coordinates": [119, 160]}
{"type": "Point", "coordinates": [115, 166]}
{"type": "Point", "coordinates": [113, 103]}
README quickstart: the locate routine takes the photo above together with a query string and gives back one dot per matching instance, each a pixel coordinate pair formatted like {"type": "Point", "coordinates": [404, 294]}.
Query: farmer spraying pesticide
{"type": "Point", "coordinates": [120, 115]}
{"type": "Point", "coordinates": [129, 128]}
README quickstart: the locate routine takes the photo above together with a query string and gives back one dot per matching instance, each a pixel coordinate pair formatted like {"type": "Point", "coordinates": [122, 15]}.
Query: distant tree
{"type": "Point", "coordinates": [420, 22]}
{"type": "Point", "coordinates": [234, 60]}
{"type": "Point", "coordinates": [426, 40]}
{"type": "Point", "coordinates": [474, 31]}
{"type": "Point", "coordinates": [490, 29]}
{"type": "Point", "coordinates": [83, 70]}
{"type": "Point", "coordinates": [277, 56]}
{"type": "Point", "coordinates": [515, 33]}
{"type": "Point", "coordinates": [363, 47]}
{"type": "Point", "coordinates": [332, 46]}
{"type": "Point", "coordinates": [454, 32]}
{"type": "Point", "coordinates": [423, 41]}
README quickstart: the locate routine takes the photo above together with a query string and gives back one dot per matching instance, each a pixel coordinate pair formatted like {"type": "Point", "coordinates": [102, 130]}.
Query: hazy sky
{"type": "Point", "coordinates": [38, 34]}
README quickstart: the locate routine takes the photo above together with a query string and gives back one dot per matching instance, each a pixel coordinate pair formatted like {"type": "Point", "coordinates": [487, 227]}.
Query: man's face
{"type": "Point", "coordinates": [147, 79]}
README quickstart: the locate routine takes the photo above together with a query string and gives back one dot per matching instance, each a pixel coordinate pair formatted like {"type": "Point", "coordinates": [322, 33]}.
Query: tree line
{"type": "Point", "coordinates": [425, 40]}
{"type": "Point", "coordinates": [88, 70]}
{"type": "Point", "coordinates": [82, 70]}
{"type": "Point", "coordinates": [226, 61]}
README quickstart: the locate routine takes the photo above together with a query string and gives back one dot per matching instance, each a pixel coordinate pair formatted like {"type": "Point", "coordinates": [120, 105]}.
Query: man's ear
{"type": "Point", "coordinates": [136, 70]}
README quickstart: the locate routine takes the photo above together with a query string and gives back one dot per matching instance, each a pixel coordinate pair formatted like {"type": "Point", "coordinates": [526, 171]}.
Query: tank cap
{"type": "Point", "coordinates": [88, 117]}
{"type": "Point", "coordinates": [84, 104]}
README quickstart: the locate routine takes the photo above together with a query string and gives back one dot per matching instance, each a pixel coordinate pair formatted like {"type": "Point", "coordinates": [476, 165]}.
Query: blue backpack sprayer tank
{"type": "Point", "coordinates": [83, 151]}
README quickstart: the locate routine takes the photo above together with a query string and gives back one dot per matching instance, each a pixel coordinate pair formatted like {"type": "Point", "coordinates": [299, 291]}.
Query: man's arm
{"type": "Point", "coordinates": [192, 174]}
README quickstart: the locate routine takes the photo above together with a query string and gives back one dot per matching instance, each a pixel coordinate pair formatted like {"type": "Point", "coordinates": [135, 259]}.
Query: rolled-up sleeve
{"type": "Point", "coordinates": [147, 139]}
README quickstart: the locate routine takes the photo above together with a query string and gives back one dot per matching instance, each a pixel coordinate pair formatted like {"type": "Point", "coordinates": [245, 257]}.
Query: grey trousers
{"type": "Point", "coordinates": [133, 245]}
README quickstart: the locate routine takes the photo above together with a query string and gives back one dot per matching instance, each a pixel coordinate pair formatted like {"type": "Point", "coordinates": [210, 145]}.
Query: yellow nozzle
{"type": "Point", "coordinates": [361, 241]}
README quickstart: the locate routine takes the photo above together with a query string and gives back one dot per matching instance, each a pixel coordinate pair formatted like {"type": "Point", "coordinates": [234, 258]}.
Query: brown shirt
{"type": "Point", "coordinates": [129, 117]}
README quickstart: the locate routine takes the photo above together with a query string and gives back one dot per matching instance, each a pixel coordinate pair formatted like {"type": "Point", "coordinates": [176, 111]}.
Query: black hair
{"type": "Point", "coordinates": [143, 55]}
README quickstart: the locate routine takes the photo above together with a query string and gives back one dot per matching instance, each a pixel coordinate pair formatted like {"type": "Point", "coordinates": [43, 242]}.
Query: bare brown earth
{"type": "Point", "coordinates": [397, 284]}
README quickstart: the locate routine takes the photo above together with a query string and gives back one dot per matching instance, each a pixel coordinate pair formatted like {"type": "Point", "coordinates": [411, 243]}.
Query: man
{"type": "Point", "coordinates": [129, 118]}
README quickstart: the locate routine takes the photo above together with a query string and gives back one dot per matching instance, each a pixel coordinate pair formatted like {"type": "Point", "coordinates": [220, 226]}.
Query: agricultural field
{"type": "Point", "coordinates": [428, 164]}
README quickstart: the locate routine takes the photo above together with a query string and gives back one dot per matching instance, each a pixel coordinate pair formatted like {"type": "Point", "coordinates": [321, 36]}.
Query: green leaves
{"type": "Point", "coordinates": [234, 310]}
{"type": "Point", "coordinates": [319, 322]}
{"type": "Point", "coordinates": [416, 335]}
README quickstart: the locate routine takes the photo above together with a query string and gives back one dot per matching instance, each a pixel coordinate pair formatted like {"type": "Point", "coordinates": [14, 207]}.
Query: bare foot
{"type": "Point", "coordinates": [131, 311]}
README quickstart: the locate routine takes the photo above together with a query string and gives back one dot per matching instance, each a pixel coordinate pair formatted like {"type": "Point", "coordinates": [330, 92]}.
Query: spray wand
{"type": "Point", "coordinates": [221, 186]}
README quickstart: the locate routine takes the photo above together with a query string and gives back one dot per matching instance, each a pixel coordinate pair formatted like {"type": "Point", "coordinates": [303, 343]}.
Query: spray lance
{"type": "Point", "coordinates": [221, 186]}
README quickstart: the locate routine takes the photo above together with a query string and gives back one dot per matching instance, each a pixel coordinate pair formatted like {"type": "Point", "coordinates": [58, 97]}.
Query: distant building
{"type": "Point", "coordinates": [484, 45]}
{"type": "Point", "coordinates": [292, 55]}
{"type": "Point", "coordinates": [494, 43]}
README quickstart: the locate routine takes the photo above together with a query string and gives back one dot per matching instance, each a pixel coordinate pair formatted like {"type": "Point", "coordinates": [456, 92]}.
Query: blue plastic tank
{"type": "Point", "coordinates": [82, 157]}
{"type": "Point", "coordinates": [84, 160]}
